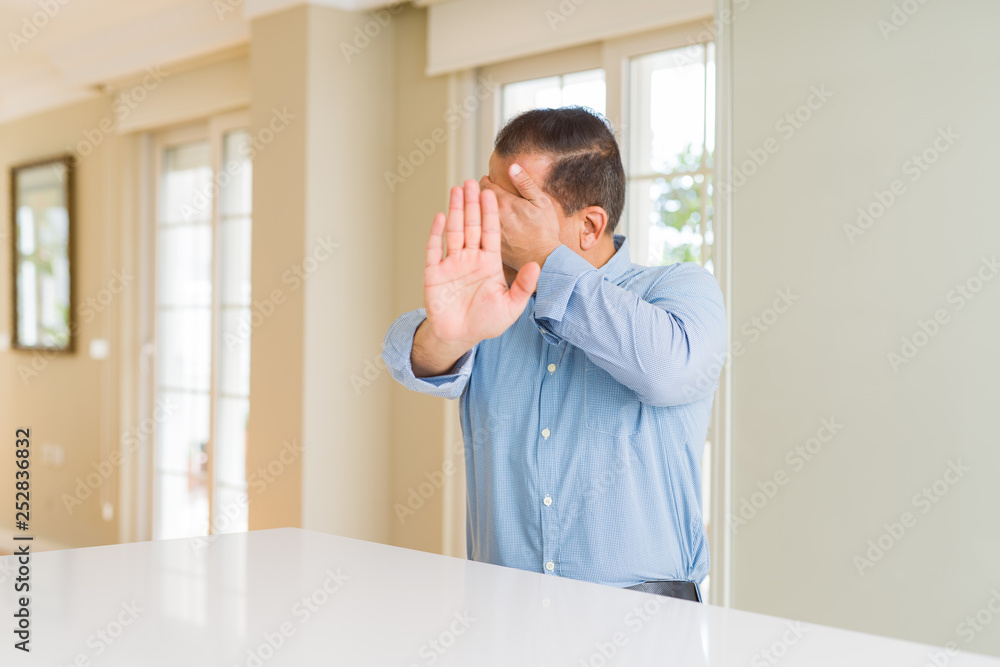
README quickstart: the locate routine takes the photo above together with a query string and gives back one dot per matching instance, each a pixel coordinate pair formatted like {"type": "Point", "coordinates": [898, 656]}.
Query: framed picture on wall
{"type": "Point", "coordinates": [41, 199]}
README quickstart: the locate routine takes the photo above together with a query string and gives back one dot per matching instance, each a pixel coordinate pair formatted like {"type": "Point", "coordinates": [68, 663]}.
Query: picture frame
{"type": "Point", "coordinates": [42, 212]}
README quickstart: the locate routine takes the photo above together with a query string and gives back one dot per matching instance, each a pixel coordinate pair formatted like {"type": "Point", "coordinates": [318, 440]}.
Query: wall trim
{"type": "Point", "coordinates": [721, 592]}
{"type": "Point", "coordinates": [256, 8]}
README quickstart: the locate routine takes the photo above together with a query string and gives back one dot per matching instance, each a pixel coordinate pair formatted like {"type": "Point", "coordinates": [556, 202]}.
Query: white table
{"type": "Point", "coordinates": [227, 603]}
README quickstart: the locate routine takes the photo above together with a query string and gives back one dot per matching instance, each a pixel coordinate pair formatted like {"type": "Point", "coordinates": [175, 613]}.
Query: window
{"type": "Point", "coordinates": [584, 89]}
{"type": "Point", "coordinates": [202, 296]}
{"type": "Point", "coordinates": [670, 144]}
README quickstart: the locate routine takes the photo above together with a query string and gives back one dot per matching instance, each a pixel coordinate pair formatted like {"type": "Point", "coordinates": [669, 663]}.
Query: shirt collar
{"type": "Point", "coordinates": [620, 262]}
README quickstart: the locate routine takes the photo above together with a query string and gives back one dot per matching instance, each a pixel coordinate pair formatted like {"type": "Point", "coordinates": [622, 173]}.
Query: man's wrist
{"type": "Point", "coordinates": [443, 344]}
{"type": "Point", "coordinates": [432, 356]}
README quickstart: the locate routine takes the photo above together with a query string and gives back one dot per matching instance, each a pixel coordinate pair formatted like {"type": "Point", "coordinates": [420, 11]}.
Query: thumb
{"type": "Point", "coordinates": [525, 185]}
{"type": "Point", "coordinates": [523, 286]}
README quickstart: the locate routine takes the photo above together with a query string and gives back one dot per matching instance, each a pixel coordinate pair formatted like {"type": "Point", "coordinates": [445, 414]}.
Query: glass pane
{"type": "Point", "coordinates": [184, 265]}
{"type": "Point", "coordinates": [234, 366]}
{"type": "Point", "coordinates": [235, 238]}
{"type": "Point", "coordinates": [577, 89]}
{"type": "Point", "coordinates": [668, 111]}
{"type": "Point", "coordinates": [231, 446]}
{"type": "Point", "coordinates": [183, 351]}
{"type": "Point", "coordinates": [670, 210]}
{"type": "Point", "coordinates": [236, 177]}
{"type": "Point", "coordinates": [186, 189]}
{"type": "Point", "coordinates": [186, 323]}
{"type": "Point", "coordinates": [710, 105]}
{"type": "Point", "coordinates": [233, 408]}
{"type": "Point", "coordinates": [585, 89]}
{"type": "Point", "coordinates": [182, 438]}
{"type": "Point", "coordinates": [534, 94]}
{"type": "Point", "coordinates": [183, 339]}
{"type": "Point", "coordinates": [181, 507]}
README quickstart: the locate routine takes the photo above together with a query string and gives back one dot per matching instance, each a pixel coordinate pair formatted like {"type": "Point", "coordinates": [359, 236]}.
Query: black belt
{"type": "Point", "coordinates": [685, 590]}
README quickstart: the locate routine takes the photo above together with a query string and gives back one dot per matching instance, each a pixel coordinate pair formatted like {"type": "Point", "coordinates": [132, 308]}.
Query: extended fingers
{"type": "Point", "coordinates": [454, 229]}
{"type": "Point", "coordinates": [435, 248]}
{"type": "Point", "coordinates": [472, 218]}
{"type": "Point", "coordinates": [491, 221]}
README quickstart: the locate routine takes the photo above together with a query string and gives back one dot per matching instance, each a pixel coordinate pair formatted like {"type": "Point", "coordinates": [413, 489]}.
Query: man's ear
{"type": "Point", "coordinates": [595, 221]}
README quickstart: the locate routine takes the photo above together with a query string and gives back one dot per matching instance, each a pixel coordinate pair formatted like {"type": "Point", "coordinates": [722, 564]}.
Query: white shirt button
{"type": "Point", "coordinates": [548, 500]}
{"type": "Point", "coordinates": [550, 566]}
{"type": "Point", "coordinates": [552, 368]}
{"type": "Point", "coordinates": [545, 433]}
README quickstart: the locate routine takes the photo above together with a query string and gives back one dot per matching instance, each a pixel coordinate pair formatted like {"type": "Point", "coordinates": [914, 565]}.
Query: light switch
{"type": "Point", "coordinates": [99, 348]}
{"type": "Point", "coordinates": [53, 456]}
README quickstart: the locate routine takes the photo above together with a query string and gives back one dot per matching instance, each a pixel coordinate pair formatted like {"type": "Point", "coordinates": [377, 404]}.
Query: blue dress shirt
{"type": "Point", "coordinates": [585, 422]}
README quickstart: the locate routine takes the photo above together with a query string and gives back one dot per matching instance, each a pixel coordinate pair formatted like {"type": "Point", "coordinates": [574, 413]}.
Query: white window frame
{"type": "Point", "coordinates": [212, 130]}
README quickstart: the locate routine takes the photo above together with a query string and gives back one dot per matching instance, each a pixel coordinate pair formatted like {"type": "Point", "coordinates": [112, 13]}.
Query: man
{"type": "Point", "coordinates": [585, 381]}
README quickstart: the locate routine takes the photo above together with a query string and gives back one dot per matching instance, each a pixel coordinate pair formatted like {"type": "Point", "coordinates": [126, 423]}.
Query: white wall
{"type": "Point", "coordinates": [418, 433]}
{"type": "Point", "coordinates": [346, 467]}
{"type": "Point", "coordinates": [321, 208]}
{"type": "Point", "coordinates": [827, 355]}
{"type": "Point", "coordinates": [68, 400]}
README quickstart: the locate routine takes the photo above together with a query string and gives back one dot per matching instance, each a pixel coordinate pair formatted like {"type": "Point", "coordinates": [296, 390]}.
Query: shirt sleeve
{"type": "Point", "coordinates": [396, 349]}
{"type": "Point", "coordinates": [668, 346]}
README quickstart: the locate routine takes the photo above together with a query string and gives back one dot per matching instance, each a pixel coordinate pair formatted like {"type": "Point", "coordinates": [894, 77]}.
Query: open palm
{"type": "Point", "coordinates": [465, 293]}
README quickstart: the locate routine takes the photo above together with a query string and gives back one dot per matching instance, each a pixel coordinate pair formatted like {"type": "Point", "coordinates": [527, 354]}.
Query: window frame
{"type": "Point", "coordinates": [618, 54]}
{"type": "Point", "coordinates": [213, 130]}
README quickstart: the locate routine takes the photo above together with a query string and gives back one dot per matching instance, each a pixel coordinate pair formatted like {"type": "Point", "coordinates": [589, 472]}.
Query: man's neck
{"type": "Point", "coordinates": [602, 253]}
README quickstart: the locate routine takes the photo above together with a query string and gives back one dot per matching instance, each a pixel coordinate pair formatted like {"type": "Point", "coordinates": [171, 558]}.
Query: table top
{"type": "Point", "coordinates": [295, 597]}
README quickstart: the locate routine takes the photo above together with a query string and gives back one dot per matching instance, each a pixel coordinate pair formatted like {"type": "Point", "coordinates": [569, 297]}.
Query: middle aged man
{"type": "Point", "coordinates": [585, 402]}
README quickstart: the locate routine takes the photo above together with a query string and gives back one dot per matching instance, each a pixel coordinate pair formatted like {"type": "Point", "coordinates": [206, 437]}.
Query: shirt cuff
{"type": "Point", "coordinates": [562, 269]}
{"type": "Point", "coordinates": [398, 346]}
